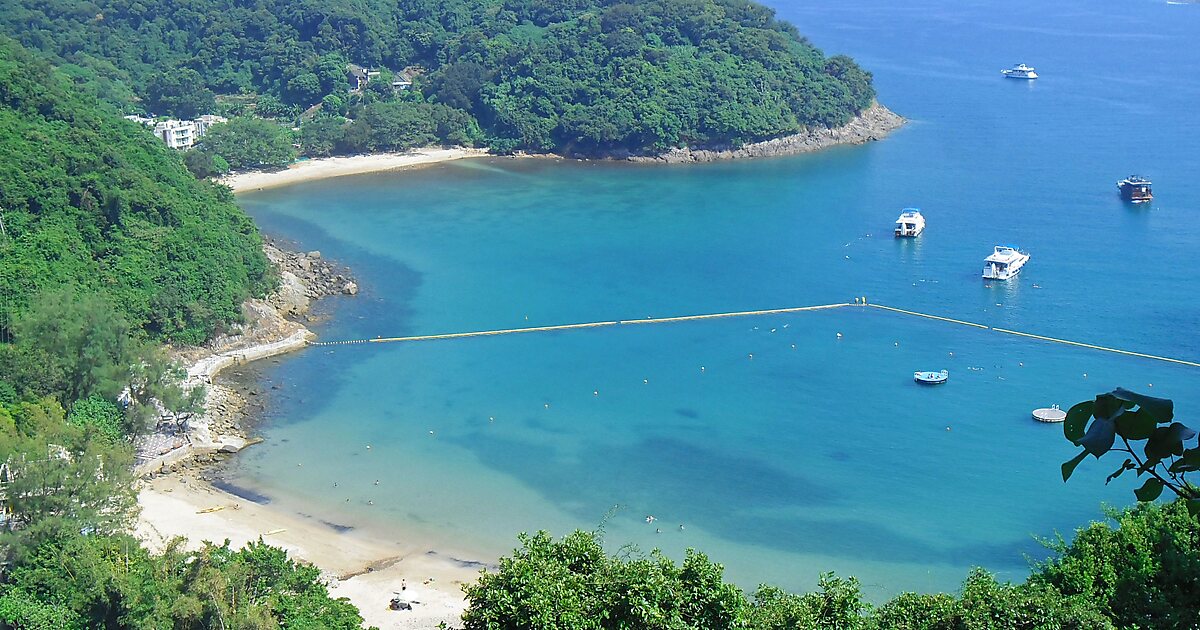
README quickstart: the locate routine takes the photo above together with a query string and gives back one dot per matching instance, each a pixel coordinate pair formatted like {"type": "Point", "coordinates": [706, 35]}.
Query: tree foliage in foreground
{"type": "Point", "coordinates": [1155, 444]}
{"type": "Point", "coordinates": [1142, 573]}
{"type": "Point", "coordinates": [93, 201]}
{"type": "Point", "coordinates": [114, 582]}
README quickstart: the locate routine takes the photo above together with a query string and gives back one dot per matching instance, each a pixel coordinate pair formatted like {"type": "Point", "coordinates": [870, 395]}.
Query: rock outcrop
{"type": "Point", "coordinates": [874, 123]}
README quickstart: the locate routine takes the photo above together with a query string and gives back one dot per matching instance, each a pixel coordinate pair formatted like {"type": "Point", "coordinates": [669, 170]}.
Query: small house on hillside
{"type": "Point", "coordinates": [359, 77]}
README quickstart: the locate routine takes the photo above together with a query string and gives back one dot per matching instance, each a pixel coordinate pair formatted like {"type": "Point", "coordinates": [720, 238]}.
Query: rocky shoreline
{"type": "Point", "coordinates": [271, 326]}
{"type": "Point", "coordinates": [873, 124]}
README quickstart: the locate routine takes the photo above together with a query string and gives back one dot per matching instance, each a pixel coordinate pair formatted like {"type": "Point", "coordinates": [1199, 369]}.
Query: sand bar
{"type": "Point", "coordinates": [323, 168]}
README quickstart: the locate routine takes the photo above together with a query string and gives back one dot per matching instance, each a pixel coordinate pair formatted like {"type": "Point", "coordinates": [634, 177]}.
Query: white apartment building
{"type": "Point", "coordinates": [179, 134]}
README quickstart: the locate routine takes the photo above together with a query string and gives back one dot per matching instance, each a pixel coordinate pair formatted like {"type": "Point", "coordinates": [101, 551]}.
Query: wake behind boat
{"type": "Point", "coordinates": [1019, 71]}
{"type": "Point", "coordinates": [1004, 263]}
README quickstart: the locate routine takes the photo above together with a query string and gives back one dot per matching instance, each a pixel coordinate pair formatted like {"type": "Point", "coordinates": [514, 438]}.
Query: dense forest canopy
{"type": "Point", "coordinates": [93, 201]}
{"type": "Point", "coordinates": [573, 75]}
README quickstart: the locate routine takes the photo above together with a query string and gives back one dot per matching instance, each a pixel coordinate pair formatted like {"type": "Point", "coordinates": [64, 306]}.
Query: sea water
{"type": "Point", "coordinates": [782, 445]}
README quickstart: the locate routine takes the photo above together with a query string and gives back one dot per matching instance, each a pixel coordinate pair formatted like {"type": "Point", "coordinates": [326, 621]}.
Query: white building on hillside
{"type": "Point", "coordinates": [179, 134]}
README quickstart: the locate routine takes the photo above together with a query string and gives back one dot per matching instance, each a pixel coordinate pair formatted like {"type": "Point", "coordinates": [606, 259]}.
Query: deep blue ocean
{"type": "Point", "coordinates": [816, 453]}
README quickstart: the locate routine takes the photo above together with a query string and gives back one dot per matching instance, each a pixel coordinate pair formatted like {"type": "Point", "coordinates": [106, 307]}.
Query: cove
{"type": "Point", "coordinates": [822, 456]}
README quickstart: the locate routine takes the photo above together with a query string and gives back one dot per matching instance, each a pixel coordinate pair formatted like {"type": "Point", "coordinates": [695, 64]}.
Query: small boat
{"type": "Point", "coordinates": [1004, 263]}
{"type": "Point", "coordinates": [1019, 71]}
{"type": "Point", "coordinates": [931, 378]}
{"type": "Point", "coordinates": [910, 223]}
{"type": "Point", "coordinates": [1135, 189]}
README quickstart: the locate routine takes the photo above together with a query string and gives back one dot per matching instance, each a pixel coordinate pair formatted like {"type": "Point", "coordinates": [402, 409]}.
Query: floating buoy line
{"type": "Point", "coordinates": [857, 303]}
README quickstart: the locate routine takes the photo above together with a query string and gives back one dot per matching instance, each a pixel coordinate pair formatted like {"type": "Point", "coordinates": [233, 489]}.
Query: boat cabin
{"type": "Point", "coordinates": [910, 223]}
{"type": "Point", "coordinates": [1135, 189]}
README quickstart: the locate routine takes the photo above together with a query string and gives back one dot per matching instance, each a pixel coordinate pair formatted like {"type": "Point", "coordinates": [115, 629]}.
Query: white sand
{"type": "Point", "coordinates": [171, 507]}
{"type": "Point", "coordinates": [322, 168]}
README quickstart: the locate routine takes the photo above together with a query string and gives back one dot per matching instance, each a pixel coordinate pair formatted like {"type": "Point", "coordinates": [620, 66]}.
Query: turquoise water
{"type": "Point", "coordinates": [816, 453]}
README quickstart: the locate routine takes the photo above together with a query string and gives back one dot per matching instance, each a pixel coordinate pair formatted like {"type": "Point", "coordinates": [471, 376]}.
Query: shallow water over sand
{"type": "Point", "coordinates": [817, 453]}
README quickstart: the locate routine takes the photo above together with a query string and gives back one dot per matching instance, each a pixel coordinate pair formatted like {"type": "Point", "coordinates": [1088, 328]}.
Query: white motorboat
{"type": "Point", "coordinates": [910, 223]}
{"type": "Point", "coordinates": [1019, 71]}
{"type": "Point", "coordinates": [1004, 263]}
{"type": "Point", "coordinates": [931, 378]}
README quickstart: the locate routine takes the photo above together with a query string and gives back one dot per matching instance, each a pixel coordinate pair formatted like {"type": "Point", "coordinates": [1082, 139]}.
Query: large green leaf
{"type": "Point", "coordinates": [1108, 407]}
{"type": "Point", "coordinates": [1099, 437]}
{"type": "Point", "coordinates": [1162, 409]}
{"type": "Point", "coordinates": [1136, 425]}
{"type": "Point", "coordinates": [1166, 441]}
{"type": "Point", "coordinates": [1193, 507]}
{"type": "Point", "coordinates": [1149, 490]}
{"type": "Point", "coordinates": [1068, 468]}
{"type": "Point", "coordinates": [1077, 419]}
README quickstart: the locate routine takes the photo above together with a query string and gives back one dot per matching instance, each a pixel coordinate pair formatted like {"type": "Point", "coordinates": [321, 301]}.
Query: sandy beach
{"type": "Point", "coordinates": [175, 502]}
{"type": "Point", "coordinates": [324, 168]}
{"type": "Point", "coordinates": [366, 571]}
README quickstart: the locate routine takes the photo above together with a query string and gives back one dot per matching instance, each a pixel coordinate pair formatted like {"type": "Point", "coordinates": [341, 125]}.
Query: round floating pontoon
{"type": "Point", "coordinates": [1049, 414]}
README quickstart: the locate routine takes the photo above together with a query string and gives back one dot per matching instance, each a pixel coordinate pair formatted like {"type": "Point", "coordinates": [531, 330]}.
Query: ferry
{"type": "Point", "coordinates": [1004, 263]}
{"type": "Point", "coordinates": [1019, 71]}
{"type": "Point", "coordinates": [1135, 189]}
{"type": "Point", "coordinates": [931, 378]}
{"type": "Point", "coordinates": [910, 223]}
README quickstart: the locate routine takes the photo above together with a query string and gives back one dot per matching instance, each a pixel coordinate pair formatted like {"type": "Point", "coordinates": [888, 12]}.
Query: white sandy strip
{"type": "Point", "coordinates": [322, 168]}
{"type": "Point", "coordinates": [172, 506]}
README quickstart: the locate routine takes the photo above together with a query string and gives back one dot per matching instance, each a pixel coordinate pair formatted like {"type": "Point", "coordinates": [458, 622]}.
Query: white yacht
{"type": "Point", "coordinates": [910, 223]}
{"type": "Point", "coordinates": [1019, 71]}
{"type": "Point", "coordinates": [1004, 263]}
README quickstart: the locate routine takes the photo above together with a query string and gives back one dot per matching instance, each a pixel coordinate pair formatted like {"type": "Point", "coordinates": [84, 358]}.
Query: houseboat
{"type": "Point", "coordinates": [910, 223]}
{"type": "Point", "coordinates": [1019, 71]}
{"type": "Point", "coordinates": [1135, 189]}
{"type": "Point", "coordinates": [1004, 263]}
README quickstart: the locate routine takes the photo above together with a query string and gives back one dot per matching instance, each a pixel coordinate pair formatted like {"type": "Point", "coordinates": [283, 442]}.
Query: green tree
{"type": "Point", "coordinates": [62, 479]}
{"type": "Point", "coordinates": [97, 414]}
{"type": "Point", "coordinates": [322, 136]}
{"type": "Point", "coordinates": [179, 92]}
{"type": "Point", "coordinates": [1142, 573]}
{"type": "Point", "coordinates": [1163, 457]}
{"type": "Point", "coordinates": [203, 164]}
{"type": "Point", "coordinates": [250, 143]}
{"type": "Point", "coordinates": [86, 338]}
{"type": "Point", "coordinates": [304, 90]}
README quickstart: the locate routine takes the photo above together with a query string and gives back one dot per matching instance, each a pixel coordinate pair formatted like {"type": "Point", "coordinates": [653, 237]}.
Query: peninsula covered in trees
{"type": "Point", "coordinates": [573, 76]}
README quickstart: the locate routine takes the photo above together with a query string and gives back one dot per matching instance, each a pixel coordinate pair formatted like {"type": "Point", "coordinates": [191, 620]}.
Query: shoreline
{"type": "Point", "coordinates": [176, 499]}
{"type": "Point", "coordinates": [367, 570]}
{"type": "Point", "coordinates": [364, 568]}
{"type": "Point", "coordinates": [339, 166]}
{"type": "Point", "coordinates": [873, 124]}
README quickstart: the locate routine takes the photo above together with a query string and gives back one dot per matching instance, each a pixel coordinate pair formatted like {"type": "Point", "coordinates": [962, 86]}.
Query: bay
{"type": "Point", "coordinates": [793, 451]}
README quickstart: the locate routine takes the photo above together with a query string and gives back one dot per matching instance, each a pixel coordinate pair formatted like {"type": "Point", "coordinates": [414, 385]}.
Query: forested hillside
{"type": "Point", "coordinates": [575, 75]}
{"type": "Point", "coordinates": [93, 201]}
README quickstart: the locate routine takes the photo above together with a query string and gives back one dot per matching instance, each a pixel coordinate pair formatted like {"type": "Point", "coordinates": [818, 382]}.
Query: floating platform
{"type": "Point", "coordinates": [1049, 414]}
